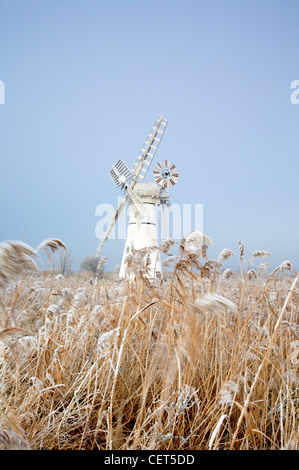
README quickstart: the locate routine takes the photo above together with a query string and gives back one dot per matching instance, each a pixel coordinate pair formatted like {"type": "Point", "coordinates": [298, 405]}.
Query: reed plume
{"type": "Point", "coordinates": [15, 259]}
{"type": "Point", "coordinates": [50, 246]}
{"type": "Point", "coordinates": [200, 360]}
{"type": "Point", "coordinates": [166, 245]}
{"type": "Point", "coordinates": [225, 254]}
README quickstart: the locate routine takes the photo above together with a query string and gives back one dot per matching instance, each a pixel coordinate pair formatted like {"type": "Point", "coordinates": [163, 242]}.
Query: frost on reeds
{"type": "Point", "coordinates": [138, 261]}
{"type": "Point", "coordinates": [227, 273]}
{"type": "Point", "coordinates": [251, 274]}
{"type": "Point", "coordinates": [154, 366]}
{"type": "Point", "coordinates": [166, 245]}
{"type": "Point", "coordinates": [257, 254]}
{"type": "Point", "coordinates": [225, 254]}
{"type": "Point", "coordinates": [241, 253]}
{"type": "Point", "coordinates": [17, 258]}
{"type": "Point", "coordinates": [295, 354]}
{"type": "Point", "coordinates": [100, 265]}
{"type": "Point", "coordinates": [185, 398]}
{"type": "Point", "coordinates": [228, 392]}
{"type": "Point", "coordinates": [105, 341]}
{"type": "Point", "coordinates": [192, 248]}
{"type": "Point", "coordinates": [10, 334]}
{"type": "Point", "coordinates": [286, 265]}
{"type": "Point", "coordinates": [260, 254]}
{"type": "Point", "coordinates": [196, 241]}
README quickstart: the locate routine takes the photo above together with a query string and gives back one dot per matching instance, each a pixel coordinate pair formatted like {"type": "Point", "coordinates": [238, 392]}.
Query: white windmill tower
{"type": "Point", "coordinates": [143, 198]}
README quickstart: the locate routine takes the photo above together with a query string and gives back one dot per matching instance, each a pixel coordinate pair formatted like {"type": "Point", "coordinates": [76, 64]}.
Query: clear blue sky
{"type": "Point", "coordinates": [84, 82]}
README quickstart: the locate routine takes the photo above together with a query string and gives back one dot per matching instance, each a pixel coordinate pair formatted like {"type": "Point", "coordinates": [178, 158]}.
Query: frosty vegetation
{"type": "Point", "coordinates": [205, 359]}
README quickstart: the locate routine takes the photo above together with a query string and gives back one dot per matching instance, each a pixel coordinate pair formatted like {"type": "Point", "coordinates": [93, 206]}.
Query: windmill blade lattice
{"type": "Point", "coordinates": [149, 148]}
{"type": "Point", "coordinates": [120, 173]}
{"type": "Point", "coordinates": [122, 176]}
{"type": "Point", "coordinates": [165, 171]}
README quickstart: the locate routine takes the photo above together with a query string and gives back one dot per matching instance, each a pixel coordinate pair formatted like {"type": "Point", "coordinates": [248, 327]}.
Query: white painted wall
{"type": "Point", "coordinates": [141, 234]}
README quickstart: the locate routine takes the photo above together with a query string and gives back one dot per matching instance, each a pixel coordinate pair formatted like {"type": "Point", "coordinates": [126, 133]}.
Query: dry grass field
{"type": "Point", "coordinates": [205, 359]}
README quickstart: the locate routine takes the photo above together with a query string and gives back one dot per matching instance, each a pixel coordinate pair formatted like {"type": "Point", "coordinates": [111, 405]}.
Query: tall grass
{"type": "Point", "coordinates": [206, 359]}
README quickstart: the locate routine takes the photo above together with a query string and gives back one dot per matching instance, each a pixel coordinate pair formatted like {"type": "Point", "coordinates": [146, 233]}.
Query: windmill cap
{"type": "Point", "coordinates": [147, 189]}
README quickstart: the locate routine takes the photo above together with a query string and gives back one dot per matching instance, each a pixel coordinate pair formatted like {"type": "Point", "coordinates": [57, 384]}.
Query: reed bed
{"type": "Point", "coordinates": [205, 359]}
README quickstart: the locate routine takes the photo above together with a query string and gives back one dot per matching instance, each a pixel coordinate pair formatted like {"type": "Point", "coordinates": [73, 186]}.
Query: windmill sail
{"type": "Point", "coordinates": [149, 149]}
{"type": "Point", "coordinates": [139, 171]}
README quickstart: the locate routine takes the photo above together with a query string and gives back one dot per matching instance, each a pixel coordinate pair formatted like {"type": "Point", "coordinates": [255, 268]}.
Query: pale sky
{"type": "Point", "coordinates": [84, 82]}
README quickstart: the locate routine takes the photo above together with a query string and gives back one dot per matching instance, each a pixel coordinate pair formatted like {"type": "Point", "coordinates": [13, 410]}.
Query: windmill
{"type": "Point", "coordinates": [143, 198]}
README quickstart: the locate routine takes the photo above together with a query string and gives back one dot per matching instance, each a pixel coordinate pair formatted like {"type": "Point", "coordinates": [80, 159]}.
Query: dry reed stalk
{"type": "Point", "coordinates": [60, 388]}
{"type": "Point", "coordinates": [116, 371]}
{"type": "Point", "coordinates": [241, 255]}
{"type": "Point", "coordinates": [216, 430]}
{"type": "Point", "coordinates": [257, 376]}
